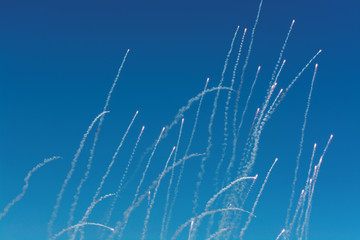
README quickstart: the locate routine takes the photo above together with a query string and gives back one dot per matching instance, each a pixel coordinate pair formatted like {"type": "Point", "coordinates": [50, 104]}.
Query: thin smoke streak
{"type": "Point", "coordinates": [26, 185]}
{"type": "Point", "coordinates": [209, 141]}
{"type": "Point", "coordinates": [300, 147]}
{"type": "Point", "coordinates": [163, 227]}
{"type": "Point", "coordinates": [256, 202]}
{"type": "Point", "coordinates": [86, 215]}
{"type": "Point", "coordinates": [153, 198]}
{"type": "Point", "coordinates": [92, 150]}
{"type": "Point", "coordinates": [69, 174]}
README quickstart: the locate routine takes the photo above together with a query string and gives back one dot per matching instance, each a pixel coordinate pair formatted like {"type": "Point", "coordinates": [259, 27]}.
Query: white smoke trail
{"type": "Point", "coordinates": [163, 228]}
{"type": "Point", "coordinates": [256, 201]}
{"type": "Point", "coordinates": [154, 196]}
{"type": "Point", "coordinates": [26, 185]}
{"type": "Point", "coordinates": [123, 178]}
{"type": "Point", "coordinates": [307, 188]}
{"type": "Point", "coordinates": [208, 204]}
{"type": "Point", "coordinates": [308, 209]}
{"type": "Point", "coordinates": [225, 141]}
{"type": "Point", "coordinates": [211, 201]}
{"type": "Point", "coordinates": [299, 204]}
{"type": "Point", "coordinates": [80, 225]}
{"type": "Point", "coordinates": [127, 213]}
{"type": "Point", "coordinates": [71, 171]}
{"type": "Point", "coordinates": [191, 228]}
{"type": "Point", "coordinates": [186, 153]}
{"type": "Point", "coordinates": [132, 207]}
{"type": "Point", "coordinates": [244, 68]}
{"type": "Point", "coordinates": [92, 150]}
{"type": "Point", "coordinates": [281, 233]}
{"type": "Point", "coordinates": [86, 215]}
{"type": "Point", "coordinates": [214, 235]}
{"type": "Point", "coordinates": [203, 160]}
{"type": "Point", "coordinates": [281, 52]}
{"type": "Point", "coordinates": [300, 149]}
{"type": "Point", "coordinates": [202, 215]}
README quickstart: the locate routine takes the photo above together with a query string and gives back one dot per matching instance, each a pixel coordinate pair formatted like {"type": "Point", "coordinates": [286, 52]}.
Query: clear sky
{"type": "Point", "coordinates": [58, 60]}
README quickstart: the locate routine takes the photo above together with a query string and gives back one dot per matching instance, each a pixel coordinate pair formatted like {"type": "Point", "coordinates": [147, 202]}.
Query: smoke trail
{"type": "Point", "coordinates": [256, 201]}
{"type": "Point", "coordinates": [225, 142]}
{"type": "Point", "coordinates": [297, 76]}
{"type": "Point", "coordinates": [80, 225]}
{"type": "Point", "coordinates": [127, 214]}
{"type": "Point", "coordinates": [123, 178]}
{"type": "Point", "coordinates": [307, 188]}
{"type": "Point", "coordinates": [300, 149]}
{"type": "Point", "coordinates": [26, 185]}
{"type": "Point", "coordinates": [92, 150]}
{"type": "Point", "coordinates": [169, 187]}
{"type": "Point", "coordinates": [132, 207]}
{"type": "Point", "coordinates": [211, 201]}
{"type": "Point", "coordinates": [281, 52]}
{"type": "Point", "coordinates": [233, 156]}
{"type": "Point", "coordinates": [191, 227]}
{"type": "Point", "coordinates": [86, 215]}
{"type": "Point", "coordinates": [179, 116]}
{"type": "Point", "coordinates": [186, 153]}
{"type": "Point", "coordinates": [153, 198]}
{"type": "Point", "coordinates": [203, 160]}
{"type": "Point", "coordinates": [244, 68]}
{"type": "Point", "coordinates": [299, 204]}
{"type": "Point", "coordinates": [214, 235]}
{"type": "Point", "coordinates": [281, 233]}
{"type": "Point", "coordinates": [308, 209]}
{"type": "Point", "coordinates": [73, 165]}
{"type": "Point", "coordinates": [200, 216]}
{"type": "Point", "coordinates": [208, 204]}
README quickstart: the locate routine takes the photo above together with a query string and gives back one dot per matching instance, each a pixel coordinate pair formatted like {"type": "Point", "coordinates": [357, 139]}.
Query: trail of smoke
{"type": "Point", "coordinates": [86, 215]}
{"type": "Point", "coordinates": [307, 212]}
{"type": "Point", "coordinates": [153, 198]}
{"type": "Point", "coordinates": [233, 156]}
{"type": "Point", "coordinates": [256, 201]}
{"type": "Point", "coordinates": [179, 116]}
{"type": "Point", "coordinates": [208, 204]}
{"type": "Point", "coordinates": [300, 149]}
{"type": "Point", "coordinates": [132, 207]}
{"type": "Point", "coordinates": [203, 160]}
{"type": "Point", "coordinates": [307, 188]}
{"type": "Point", "coordinates": [299, 204]}
{"type": "Point", "coordinates": [186, 153]}
{"type": "Point", "coordinates": [88, 211]}
{"type": "Point", "coordinates": [211, 201]}
{"type": "Point", "coordinates": [226, 135]}
{"type": "Point", "coordinates": [244, 68]}
{"type": "Point", "coordinates": [281, 53]}
{"type": "Point", "coordinates": [123, 178]}
{"type": "Point", "coordinates": [297, 77]}
{"type": "Point", "coordinates": [127, 214]}
{"type": "Point", "coordinates": [26, 185]}
{"type": "Point", "coordinates": [214, 235]}
{"type": "Point", "coordinates": [67, 179]}
{"type": "Point", "coordinates": [190, 231]}
{"type": "Point", "coordinates": [92, 150]}
{"type": "Point", "coordinates": [200, 216]}
{"type": "Point", "coordinates": [183, 109]}
{"type": "Point", "coordinates": [215, 196]}
{"type": "Point", "coordinates": [256, 137]}
{"type": "Point", "coordinates": [79, 225]}
{"type": "Point", "coordinates": [281, 233]}
{"type": "Point", "coordinates": [163, 229]}
{"type": "Point", "coordinates": [224, 217]}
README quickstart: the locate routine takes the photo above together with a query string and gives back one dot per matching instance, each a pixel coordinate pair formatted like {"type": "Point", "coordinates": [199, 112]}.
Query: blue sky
{"type": "Point", "coordinates": [58, 61]}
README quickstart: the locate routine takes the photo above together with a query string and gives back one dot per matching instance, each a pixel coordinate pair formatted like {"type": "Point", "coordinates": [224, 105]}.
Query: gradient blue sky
{"type": "Point", "coordinates": [58, 60]}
